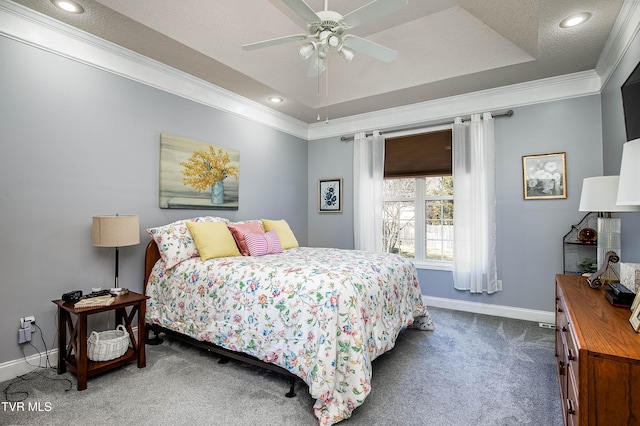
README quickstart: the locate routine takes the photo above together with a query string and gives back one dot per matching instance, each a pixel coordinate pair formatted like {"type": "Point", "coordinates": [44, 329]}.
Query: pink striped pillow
{"type": "Point", "coordinates": [261, 244]}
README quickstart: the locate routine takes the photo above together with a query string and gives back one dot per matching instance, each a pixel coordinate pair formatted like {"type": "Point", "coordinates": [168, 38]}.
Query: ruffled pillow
{"type": "Point", "coordinates": [174, 241]}
{"type": "Point", "coordinates": [261, 244]}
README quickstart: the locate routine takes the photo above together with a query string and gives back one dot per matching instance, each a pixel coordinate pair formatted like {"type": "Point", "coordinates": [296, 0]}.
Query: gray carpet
{"type": "Point", "coordinates": [472, 370]}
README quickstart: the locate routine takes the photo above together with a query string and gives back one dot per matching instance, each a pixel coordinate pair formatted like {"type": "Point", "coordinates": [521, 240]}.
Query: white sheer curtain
{"type": "Point", "coordinates": [474, 214]}
{"type": "Point", "coordinates": [368, 176]}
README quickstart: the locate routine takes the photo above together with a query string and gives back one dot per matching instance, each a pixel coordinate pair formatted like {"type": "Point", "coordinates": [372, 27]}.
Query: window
{"type": "Point", "coordinates": [418, 209]}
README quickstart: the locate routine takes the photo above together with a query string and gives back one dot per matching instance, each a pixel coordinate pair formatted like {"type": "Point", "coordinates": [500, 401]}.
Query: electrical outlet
{"type": "Point", "coordinates": [27, 321]}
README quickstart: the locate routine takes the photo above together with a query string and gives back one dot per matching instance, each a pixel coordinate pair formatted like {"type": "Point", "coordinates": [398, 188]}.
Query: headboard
{"type": "Point", "coordinates": [151, 256]}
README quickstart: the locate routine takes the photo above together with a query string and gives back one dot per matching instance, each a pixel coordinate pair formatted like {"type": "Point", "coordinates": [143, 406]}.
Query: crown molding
{"type": "Point", "coordinates": [27, 26]}
{"type": "Point", "coordinates": [545, 90]}
{"type": "Point", "coordinates": [624, 31]}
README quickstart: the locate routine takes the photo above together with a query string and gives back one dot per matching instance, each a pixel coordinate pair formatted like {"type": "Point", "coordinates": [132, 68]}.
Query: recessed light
{"type": "Point", "coordinates": [275, 99]}
{"type": "Point", "coordinates": [576, 19]}
{"type": "Point", "coordinates": [68, 6]}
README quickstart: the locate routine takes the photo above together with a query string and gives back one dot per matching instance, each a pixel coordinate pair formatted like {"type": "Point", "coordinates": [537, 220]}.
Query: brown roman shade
{"type": "Point", "coordinates": [420, 155]}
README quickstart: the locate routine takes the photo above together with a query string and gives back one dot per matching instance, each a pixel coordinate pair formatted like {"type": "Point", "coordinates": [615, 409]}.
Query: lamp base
{"type": "Point", "coordinates": [119, 291]}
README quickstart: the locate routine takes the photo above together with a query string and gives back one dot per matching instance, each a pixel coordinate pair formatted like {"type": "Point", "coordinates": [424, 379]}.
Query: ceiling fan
{"type": "Point", "coordinates": [326, 31]}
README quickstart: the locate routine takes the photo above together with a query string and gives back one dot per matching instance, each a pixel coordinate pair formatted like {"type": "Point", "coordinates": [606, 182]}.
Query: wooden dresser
{"type": "Point", "coordinates": [597, 357]}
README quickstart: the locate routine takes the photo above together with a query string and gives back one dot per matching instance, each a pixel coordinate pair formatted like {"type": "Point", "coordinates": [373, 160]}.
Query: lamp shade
{"type": "Point", "coordinates": [116, 231]}
{"type": "Point", "coordinates": [629, 188]}
{"type": "Point", "coordinates": [599, 195]}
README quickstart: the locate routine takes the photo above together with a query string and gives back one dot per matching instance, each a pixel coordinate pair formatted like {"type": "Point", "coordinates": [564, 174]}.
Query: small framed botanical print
{"type": "Point", "coordinates": [544, 176]}
{"type": "Point", "coordinates": [330, 195]}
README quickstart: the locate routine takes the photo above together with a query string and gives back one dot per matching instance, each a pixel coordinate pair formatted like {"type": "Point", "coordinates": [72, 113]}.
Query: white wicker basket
{"type": "Point", "coordinates": [107, 345]}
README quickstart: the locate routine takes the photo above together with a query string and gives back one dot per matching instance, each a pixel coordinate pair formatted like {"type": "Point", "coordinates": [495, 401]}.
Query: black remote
{"type": "Point", "coordinates": [98, 293]}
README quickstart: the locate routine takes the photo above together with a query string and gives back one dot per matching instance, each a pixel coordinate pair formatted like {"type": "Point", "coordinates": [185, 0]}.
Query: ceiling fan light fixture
{"type": "Point", "coordinates": [575, 19]}
{"type": "Point", "coordinates": [306, 50]}
{"type": "Point", "coordinates": [346, 53]}
{"type": "Point", "coordinates": [334, 41]}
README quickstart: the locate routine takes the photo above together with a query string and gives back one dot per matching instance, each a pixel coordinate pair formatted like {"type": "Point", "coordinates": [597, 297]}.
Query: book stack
{"type": "Point", "coordinates": [93, 302]}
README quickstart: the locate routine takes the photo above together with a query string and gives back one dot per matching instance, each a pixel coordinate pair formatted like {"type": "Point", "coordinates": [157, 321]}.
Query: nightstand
{"type": "Point", "coordinates": [73, 354]}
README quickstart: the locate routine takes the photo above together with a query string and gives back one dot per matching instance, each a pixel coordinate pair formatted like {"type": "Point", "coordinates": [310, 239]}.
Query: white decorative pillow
{"type": "Point", "coordinates": [261, 244]}
{"type": "Point", "coordinates": [174, 241]}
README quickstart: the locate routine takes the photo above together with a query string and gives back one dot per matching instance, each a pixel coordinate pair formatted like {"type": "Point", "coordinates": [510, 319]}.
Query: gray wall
{"type": "Point", "coordinates": [529, 232]}
{"type": "Point", "coordinates": [78, 142]}
{"type": "Point", "coordinates": [613, 138]}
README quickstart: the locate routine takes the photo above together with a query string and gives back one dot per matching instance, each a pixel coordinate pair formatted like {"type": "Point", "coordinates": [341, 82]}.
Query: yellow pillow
{"type": "Point", "coordinates": [285, 234]}
{"type": "Point", "coordinates": [213, 239]}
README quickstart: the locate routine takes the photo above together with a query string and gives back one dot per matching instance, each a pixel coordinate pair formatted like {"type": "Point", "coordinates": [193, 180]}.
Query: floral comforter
{"type": "Point", "coordinates": [323, 314]}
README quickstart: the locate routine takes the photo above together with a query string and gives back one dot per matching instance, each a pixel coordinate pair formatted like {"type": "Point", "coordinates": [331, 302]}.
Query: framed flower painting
{"type": "Point", "coordinates": [330, 195]}
{"type": "Point", "coordinates": [544, 176]}
{"type": "Point", "coordinates": [197, 175]}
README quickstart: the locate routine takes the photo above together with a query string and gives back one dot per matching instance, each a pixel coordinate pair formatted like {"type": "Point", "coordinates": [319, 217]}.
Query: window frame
{"type": "Point", "coordinates": [419, 200]}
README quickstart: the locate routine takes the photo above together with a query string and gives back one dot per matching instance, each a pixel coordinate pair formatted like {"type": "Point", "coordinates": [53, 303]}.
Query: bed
{"type": "Point", "coordinates": [319, 314]}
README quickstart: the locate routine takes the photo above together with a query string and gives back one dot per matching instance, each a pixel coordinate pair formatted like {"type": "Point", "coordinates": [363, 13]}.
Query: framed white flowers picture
{"type": "Point", "coordinates": [544, 176]}
{"type": "Point", "coordinates": [330, 195]}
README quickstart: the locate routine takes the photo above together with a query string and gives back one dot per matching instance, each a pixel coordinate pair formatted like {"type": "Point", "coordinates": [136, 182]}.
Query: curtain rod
{"type": "Point", "coordinates": [508, 113]}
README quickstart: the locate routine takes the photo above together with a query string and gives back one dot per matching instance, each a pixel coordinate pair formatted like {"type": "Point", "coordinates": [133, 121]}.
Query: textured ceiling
{"type": "Point", "coordinates": [445, 47]}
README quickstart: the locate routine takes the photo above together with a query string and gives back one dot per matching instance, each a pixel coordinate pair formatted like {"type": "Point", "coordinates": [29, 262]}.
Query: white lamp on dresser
{"type": "Point", "coordinates": [599, 194]}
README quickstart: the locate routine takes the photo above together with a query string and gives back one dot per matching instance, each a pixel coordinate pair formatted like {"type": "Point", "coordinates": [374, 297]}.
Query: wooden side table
{"type": "Point", "coordinates": [73, 354]}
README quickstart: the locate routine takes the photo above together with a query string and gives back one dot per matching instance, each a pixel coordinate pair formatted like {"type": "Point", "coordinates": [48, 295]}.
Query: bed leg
{"type": "Point", "coordinates": [156, 340]}
{"type": "Point", "coordinates": [292, 390]}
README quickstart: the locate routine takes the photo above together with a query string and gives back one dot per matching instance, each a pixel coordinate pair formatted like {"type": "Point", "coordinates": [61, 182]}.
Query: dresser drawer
{"type": "Point", "coordinates": [572, 352]}
{"type": "Point", "coordinates": [571, 403]}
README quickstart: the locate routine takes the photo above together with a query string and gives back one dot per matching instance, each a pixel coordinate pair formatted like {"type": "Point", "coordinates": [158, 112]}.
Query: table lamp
{"type": "Point", "coordinates": [116, 231]}
{"type": "Point", "coordinates": [599, 195]}
{"type": "Point", "coordinates": [629, 187]}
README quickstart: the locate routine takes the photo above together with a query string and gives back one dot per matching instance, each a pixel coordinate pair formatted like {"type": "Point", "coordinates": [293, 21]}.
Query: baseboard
{"type": "Point", "coordinates": [489, 309]}
{"type": "Point", "coordinates": [18, 367]}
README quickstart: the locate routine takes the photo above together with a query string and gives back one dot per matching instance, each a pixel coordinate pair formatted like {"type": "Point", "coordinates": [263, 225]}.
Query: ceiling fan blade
{"type": "Point", "coordinates": [370, 48]}
{"type": "Point", "coordinates": [302, 9]}
{"type": "Point", "coordinates": [274, 41]}
{"type": "Point", "coordinates": [374, 10]}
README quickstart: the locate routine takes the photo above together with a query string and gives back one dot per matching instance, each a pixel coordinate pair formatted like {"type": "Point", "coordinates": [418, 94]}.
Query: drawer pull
{"type": "Point", "coordinates": [564, 329]}
{"type": "Point", "coordinates": [571, 356]}
{"type": "Point", "coordinates": [570, 409]}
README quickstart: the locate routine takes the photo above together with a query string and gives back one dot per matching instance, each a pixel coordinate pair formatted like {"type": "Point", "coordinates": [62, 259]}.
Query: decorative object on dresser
{"type": "Point", "coordinates": [630, 275]}
{"type": "Point", "coordinates": [606, 274]}
{"type": "Point", "coordinates": [116, 231]}
{"type": "Point", "coordinates": [579, 246]}
{"type": "Point", "coordinates": [599, 195]}
{"type": "Point", "coordinates": [597, 356]}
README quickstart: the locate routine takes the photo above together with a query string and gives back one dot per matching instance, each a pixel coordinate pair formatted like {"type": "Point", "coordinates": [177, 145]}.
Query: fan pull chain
{"type": "Point", "coordinates": [326, 87]}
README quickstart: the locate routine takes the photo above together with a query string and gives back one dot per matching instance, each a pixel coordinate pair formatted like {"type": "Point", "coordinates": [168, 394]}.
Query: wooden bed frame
{"type": "Point", "coordinates": [152, 255]}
